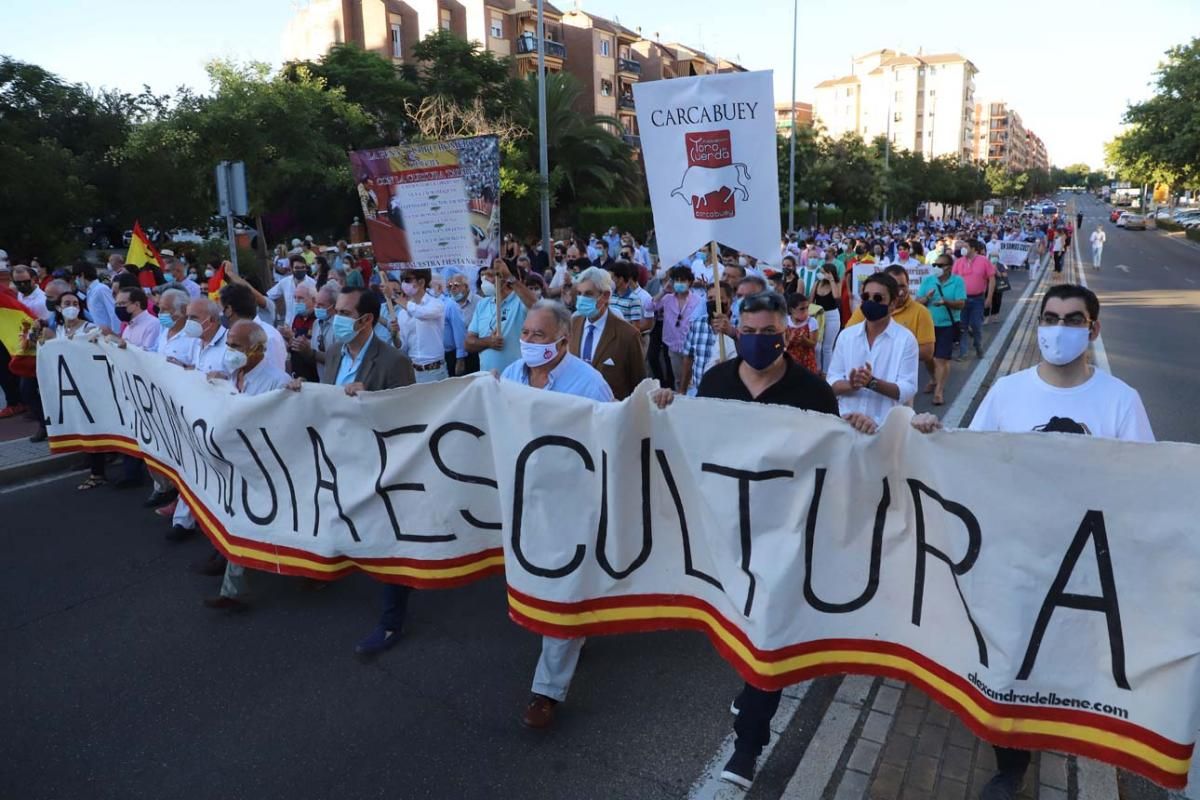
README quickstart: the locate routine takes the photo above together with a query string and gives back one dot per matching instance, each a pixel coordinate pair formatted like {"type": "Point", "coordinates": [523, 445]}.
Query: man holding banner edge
{"type": "Point", "coordinates": [762, 373]}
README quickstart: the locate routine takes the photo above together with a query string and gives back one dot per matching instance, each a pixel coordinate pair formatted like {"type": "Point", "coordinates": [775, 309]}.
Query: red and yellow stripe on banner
{"type": "Point", "coordinates": [1084, 733]}
{"type": "Point", "coordinates": [418, 573]}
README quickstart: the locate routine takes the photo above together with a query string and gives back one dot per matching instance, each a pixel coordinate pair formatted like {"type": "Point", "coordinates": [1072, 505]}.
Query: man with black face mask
{"type": "Point", "coordinates": [761, 373]}
{"type": "Point", "coordinates": [28, 292]}
{"type": "Point", "coordinates": [874, 365]}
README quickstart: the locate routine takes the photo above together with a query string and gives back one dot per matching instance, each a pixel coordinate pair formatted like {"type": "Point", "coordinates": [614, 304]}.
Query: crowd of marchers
{"type": "Point", "coordinates": [835, 324]}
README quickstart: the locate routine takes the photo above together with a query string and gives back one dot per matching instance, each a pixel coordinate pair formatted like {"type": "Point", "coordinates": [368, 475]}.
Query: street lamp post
{"type": "Point", "coordinates": [887, 138]}
{"type": "Point", "coordinates": [543, 156]}
{"type": "Point", "coordinates": [792, 129]}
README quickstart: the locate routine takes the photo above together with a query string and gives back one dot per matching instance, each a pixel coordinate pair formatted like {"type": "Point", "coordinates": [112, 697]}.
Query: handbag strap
{"type": "Point", "coordinates": [938, 285]}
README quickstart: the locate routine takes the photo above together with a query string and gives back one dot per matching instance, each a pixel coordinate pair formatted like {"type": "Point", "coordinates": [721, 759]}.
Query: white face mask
{"type": "Point", "coordinates": [535, 354]}
{"type": "Point", "coordinates": [488, 288]}
{"type": "Point", "coordinates": [193, 329]}
{"type": "Point", "coordinates": [234, 360]}
{"type": "Point", "coordinates": [70, 313]}
{"type": "Point", "coordinates": [1061, 345]}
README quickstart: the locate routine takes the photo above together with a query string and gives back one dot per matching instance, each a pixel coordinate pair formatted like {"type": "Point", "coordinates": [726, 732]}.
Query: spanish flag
{"type": "Point", "coordinates": [215, 283]}
{"type": "Point", "coordinates": [144, 256]}
{"type": "Point", "coordinates": [15, 319]}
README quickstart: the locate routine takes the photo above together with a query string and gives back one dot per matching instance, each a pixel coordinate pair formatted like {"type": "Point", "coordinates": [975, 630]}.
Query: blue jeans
{"type": "Point", "coordinates": [972, 321]}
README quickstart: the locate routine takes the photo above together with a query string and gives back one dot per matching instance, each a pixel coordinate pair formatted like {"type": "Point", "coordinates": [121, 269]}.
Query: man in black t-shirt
{"type": "Point", "coordinates": [762, 373]}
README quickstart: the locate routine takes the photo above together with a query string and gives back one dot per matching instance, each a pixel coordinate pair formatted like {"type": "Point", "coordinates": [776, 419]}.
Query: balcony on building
{"type": "Point", "coordinates": [633, 140]}
{"type": "Point", "coordinates": [629, 66]}
{"type": "Point", "coordinates": [527, 46]}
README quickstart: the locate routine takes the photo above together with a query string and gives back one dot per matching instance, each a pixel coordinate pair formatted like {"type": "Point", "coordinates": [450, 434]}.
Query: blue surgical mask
{"type": "Point", "coordinates": [166, 320]}
{"type": "Point", "coordinates": [301, 309]}
{"type": "Point", "coordinates": [681, 287]}
{"type": "Point", "coordinates": [321, 314]}
{"type": "Point", "coordinates": [585, 306]}
{"type": "Point", "coordinates": [343, 329]}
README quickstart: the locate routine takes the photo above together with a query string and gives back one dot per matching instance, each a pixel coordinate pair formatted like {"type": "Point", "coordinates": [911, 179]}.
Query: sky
{"type": "Point", "coordinates": [1069, 73]}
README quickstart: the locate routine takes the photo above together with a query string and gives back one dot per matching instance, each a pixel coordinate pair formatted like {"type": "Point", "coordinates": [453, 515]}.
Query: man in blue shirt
{"type": "Point", "coordinates": [512, 297]}
{"type": "Point", "coordinates": [100, 306]}
{"type": "Point", "coordinates": [546, 363]}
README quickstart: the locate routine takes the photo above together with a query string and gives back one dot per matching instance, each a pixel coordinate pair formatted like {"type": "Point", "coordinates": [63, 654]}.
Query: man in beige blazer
{"type": "Point", "coordinates": [600, 337]}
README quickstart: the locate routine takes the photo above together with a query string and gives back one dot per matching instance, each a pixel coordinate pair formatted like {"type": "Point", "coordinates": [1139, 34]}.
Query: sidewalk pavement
{"type": "Point", "coordinates": [21, 459]}
{"type": "Point", "coordinates": [903, 746]}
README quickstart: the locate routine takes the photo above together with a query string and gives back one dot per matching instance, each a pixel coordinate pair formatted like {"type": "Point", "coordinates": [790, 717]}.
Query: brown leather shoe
{"type": "Point", "coordinates": [539, 713]}
{"type": "Point", "coordinates": [222, 603]}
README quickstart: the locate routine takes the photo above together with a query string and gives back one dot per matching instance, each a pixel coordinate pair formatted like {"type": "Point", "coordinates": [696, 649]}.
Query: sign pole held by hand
{"type": "Point", "coordinates": [714, 255]}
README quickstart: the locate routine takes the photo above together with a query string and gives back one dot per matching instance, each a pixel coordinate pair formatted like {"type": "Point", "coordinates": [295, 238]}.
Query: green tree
{"type": "Point", "coordinates": [53, 140]}
{"type": "Point", "coordinates": [291, 131]}
{"type": "Point", "coordinates": [1164, 135]}
{"type": "Point", "coordinates": [590, 164]}
{"type": "Point", "coordinates": [1003, 183]}
{"type": "Point", "coordinates": [812, 173]}
{"type": "Point", "coordinates": [462, 72]}
{"type": "Point", "coordinates": [368, 80]}
{"type": "Point", "coordinates": [856, 185]}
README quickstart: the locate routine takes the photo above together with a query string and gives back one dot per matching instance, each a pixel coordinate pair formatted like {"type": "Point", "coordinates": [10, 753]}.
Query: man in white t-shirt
{"type": "Point", "coordinates": [1061, 394]}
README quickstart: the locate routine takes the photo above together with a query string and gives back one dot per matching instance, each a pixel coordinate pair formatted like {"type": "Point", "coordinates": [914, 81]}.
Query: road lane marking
{"type": "Point", "coordinates": [1123, 268]}
{"type": "Point", "coordinates": [1099, 354]}
{"type": "Point", "coordinates": [962, 403]}
{"type": "Point", "coordinates": [709, 785]}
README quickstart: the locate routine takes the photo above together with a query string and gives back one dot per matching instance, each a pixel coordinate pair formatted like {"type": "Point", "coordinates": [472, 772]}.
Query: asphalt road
{"type": "Point", "coordinates": [116, 683]}
{"type": "Point", "coordinates": [1149, 289]}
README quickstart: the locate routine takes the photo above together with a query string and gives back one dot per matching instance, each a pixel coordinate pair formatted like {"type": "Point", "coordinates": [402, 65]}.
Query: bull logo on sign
{"type": "Point", "coordinates": [713, 181]}
{"type": "Point", "coordinates": [700, 182]}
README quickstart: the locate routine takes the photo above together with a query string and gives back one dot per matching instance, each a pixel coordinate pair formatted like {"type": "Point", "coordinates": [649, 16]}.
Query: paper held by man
{"type": "Point", "coordinates": [1043, 596]}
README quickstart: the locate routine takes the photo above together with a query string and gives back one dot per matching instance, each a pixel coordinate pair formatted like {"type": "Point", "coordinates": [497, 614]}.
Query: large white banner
{"type": "Point", "coordinates": [1042, 586]}
{"type": "Point", "coordinates": [708, 143]}
{"type": "Point", "coordinates": [1015, 254]}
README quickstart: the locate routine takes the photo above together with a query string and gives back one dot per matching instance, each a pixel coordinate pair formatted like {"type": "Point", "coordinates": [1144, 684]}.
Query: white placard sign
{"type": "Point", "coordinates": [708, 143]}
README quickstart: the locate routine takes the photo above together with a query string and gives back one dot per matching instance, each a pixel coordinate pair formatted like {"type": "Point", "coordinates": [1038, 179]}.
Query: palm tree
{"type": "Point", "coordinates": [590, 164]}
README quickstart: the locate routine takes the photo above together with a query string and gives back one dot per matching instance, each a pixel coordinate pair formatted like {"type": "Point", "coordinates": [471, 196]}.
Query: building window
{"type": "Point", "coordinates": [933, 92]}
{"type": "Point", "coordinates": [899, 96]}
{"type": "Point", "coordinates": [606, 87]}
{"type": "Point", "coordinates": [849, 92]}
{"type": "Point", "coordinates": [496, 28]}
{"type": "Point", "coordinates": [604, 47]}
{"type": "Point", "coordinates": [397, 42]}
{"type": "Point", "coordinates": [444, 19]}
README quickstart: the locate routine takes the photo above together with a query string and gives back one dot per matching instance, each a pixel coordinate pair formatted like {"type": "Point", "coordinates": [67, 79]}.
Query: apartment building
{"type": "Point", "coordinates": [1001, 138]}
{"type": "Point", "coordinates": [606, 57]}
{"type": "Point", "coordinates": [783, 116]}
{"type": "Point", "coordinates": [923, 103]}
{"type": "Point", "coordinates": [392, 28]}
{"type": "Point", "coordinates": [605, 64]}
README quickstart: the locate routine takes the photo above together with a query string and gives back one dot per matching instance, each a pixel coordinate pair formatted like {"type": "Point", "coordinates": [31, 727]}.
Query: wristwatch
{"type": "Point", "coordinates": [871, 384]}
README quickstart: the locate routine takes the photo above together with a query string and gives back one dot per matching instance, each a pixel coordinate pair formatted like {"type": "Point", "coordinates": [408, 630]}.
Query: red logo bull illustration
{"type": "Point", "coordinates": [713, 180]}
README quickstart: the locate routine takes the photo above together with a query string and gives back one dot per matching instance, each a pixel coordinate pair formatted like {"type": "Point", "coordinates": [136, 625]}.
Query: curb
{"type": "Point", "coordinates": [39, 467]}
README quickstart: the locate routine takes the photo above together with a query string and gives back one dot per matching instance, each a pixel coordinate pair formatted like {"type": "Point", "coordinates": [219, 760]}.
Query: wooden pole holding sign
{"type": "Point", "coordinates": [714, 255]}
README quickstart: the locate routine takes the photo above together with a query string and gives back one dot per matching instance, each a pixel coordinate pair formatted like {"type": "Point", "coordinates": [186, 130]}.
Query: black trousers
{"type": "Point", "coordinates": [31, 396]}
{"type": "Point", "coordinates": [395, 607]}
{"type": "Point", "coordinates": [10, 384]}
{"type": "Point", "coordinates": [1010, 759]}
{"type": "Point", "coordinates": [657, 357]}
{"type": "Point", "coordinates": [756, 709]}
